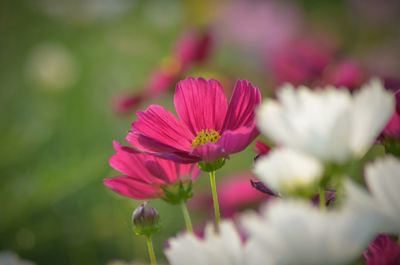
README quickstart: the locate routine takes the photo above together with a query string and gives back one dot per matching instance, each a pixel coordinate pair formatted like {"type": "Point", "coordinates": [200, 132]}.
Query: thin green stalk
{"type": "Point", "coordinates": [186, 216]}
{"type": "Point", "coordinates": [215, 199]}
{"type": "Point", "coordinates": [322, 201]}
{"type": "Point", "coordinates": [150, 249]}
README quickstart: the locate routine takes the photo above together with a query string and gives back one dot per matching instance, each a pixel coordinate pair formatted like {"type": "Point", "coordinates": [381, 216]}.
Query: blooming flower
{"type": "Point", "coordinates": [330, 124]}
{"type": "Point", "coordinates": [383, 180]}
{"type": "Point", "coordinates": [286, 170]}
{"type": "Point", "coordinates": [295, 232]}
{"type": "Point", "coordinates": [383, 251]}
{"type": "Point", "coordinates": [223, 248]}
{"type": "Point", "coordinates": [146, 176]}
{"type": "Point", "coordinates": [207, 128]}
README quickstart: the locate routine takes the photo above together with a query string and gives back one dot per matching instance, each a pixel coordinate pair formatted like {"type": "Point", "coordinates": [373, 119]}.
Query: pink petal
{"type": "Point", "coordinates": [161, 132]}
{"type": "Point", "coordinates": [150, 146]}
{"type": "Point", "coordinates": [241, 110]}
{"type": "Point", "coordinates": [133, 164]}
{"type": "Point", "coordinates": [201, 104]}
{"type": "Point", "coordinates": [209, 152]}
{"type": "Point", "coordinates": [171, 171]}
{"type": "Point", "coordinates": [238, 140]}
{"type": "Point", "coordinates": [132, 188]}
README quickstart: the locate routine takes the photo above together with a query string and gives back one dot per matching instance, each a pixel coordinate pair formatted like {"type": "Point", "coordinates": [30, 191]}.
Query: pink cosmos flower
{"type": "Point", "coordinates": [383, 251]}
{"type": "Point", "coordinates": [146, 176]}
{"type": "Point", "coordinates": [207, 128]}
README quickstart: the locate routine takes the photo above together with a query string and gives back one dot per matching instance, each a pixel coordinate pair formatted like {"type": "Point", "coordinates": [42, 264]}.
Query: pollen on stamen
{"type": "Point", "coordinates": [206, 136]}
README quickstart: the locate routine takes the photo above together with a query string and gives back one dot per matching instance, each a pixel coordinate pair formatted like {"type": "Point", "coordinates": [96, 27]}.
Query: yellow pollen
{"type": "Point", "coordinates": [206, 136]}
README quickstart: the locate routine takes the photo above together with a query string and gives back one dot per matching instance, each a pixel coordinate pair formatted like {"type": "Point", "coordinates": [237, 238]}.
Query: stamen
{"type": "Point", "coordinates": [206, 136]}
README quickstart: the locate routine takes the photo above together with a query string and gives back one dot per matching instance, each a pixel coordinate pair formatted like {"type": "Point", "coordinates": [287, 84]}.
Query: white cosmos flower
{"type": "Point", "coordinates": [285, 169]}
{"type": "Point", "coordinates": [223, 248]}
{"type": "Point", "coordinates": [330, 124]}
{"type": "Point", "coordinates": [383, 178]}
{"type": "Point", "coordinates": [294, 232]}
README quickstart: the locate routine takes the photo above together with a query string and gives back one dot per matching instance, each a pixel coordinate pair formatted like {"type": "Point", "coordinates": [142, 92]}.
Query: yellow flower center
{"type": "Point", "coordinates": [206, 136]}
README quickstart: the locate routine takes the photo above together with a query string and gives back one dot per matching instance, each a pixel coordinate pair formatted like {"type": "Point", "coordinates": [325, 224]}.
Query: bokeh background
{"type": "Point", "coordinates": [65, 63]}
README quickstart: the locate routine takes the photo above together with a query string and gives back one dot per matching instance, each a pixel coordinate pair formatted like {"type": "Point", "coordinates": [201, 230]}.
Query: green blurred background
{"type": "Point", "coordinates": [62, 62]}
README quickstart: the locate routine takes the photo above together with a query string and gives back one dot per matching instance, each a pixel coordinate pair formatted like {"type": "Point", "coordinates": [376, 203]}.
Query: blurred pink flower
{"type": "Point", "coordinates": [301, 62]}
{"type": "Point", "coordinates": [261, 148]}
{"type": "Point", "coordinates": [383, 251]}
{"type": "Point", "coordinates": [123, 104]}
{"type": "Point", "coordinates": [193, 47]}
{"type": "Point", "coordinates": [392, 129]}
{"type": "Point", "coordinates": [207, 128]}
{"type": "Point", "coordinates": [235, 194]}
{"type": "Point", "coordinates": [146, 176]}
{"type": "Point", "coordinates": [259, 26]}
{"type": "Point", "coordinates": [346, 73]}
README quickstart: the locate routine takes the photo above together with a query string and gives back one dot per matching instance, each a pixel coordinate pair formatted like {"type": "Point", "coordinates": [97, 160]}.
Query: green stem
{"type": "Point", "coordinates": [215, 199]}
{"type": "Point", "coordinates": [150, 249]}
{"type": "Point", "coordinates": [186, 216]}
{"type": "Point", "coordinates": [322, 202]}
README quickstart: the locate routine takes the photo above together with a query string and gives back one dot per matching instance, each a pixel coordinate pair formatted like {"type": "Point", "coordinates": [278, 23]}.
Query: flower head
{"type": "Point", "coordinates": [330, 124]}
{"type": "Point", "coordinates": [146, 176]}
{"type": "Point", "coordinates": [145, 219]}
{"type": "Point", "coordinates": [207, 129]}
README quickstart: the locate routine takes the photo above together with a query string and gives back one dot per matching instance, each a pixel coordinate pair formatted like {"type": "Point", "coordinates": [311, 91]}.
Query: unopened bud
{"type": "Point", "coordinates": [146, 220]}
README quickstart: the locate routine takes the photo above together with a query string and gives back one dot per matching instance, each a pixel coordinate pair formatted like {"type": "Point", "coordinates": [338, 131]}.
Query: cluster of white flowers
{"type": "Point", "coordinates": [313, 130]}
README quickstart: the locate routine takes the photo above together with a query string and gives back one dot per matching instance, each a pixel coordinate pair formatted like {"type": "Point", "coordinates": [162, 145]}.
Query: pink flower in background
{"type": "Point", "coordinates": [261, 148]}
{"type": "Point", "coordinates": [123, 104]}
{"type": "Point", "coordinates": [192, 48]}
{"type": "Point", "coordinates": [347, 73]}
{"type": "Point", "coordinates": [301, 62]}
{"type": "Point", "coordinates": [235, 194]}
{"type": "Point", "coordinates": [146, 176]}
{"type": "Point", "coordinates": [207, 128]}
{"type": "Point", "coordinates": [259, 26]}
{"type": "Point", "coordinates": [383, 251]}
{"type": "Point", "coordinates": [392, 129]}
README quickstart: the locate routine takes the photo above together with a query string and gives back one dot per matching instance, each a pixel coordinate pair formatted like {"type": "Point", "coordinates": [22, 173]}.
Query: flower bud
{"type": "Point", "coordinates": [146, 220]}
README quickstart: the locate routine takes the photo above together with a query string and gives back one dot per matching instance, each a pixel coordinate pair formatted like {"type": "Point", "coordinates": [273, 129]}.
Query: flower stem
{"type": "Point", "coordinates": [322, 202]}
{"type": "Point", "coordinates": [215, 199]}
{"type": "Point", "coordinates": [150, 249]}
{"type": "Point", "coordinates": [186, 216]}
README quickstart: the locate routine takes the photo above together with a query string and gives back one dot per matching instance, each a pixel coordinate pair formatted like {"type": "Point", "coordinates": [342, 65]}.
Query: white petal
{"type": "Point", "coordinates": [286, 169]}
{"type": "Point", "coordinates": [383, 178]}
{"type": "Point", "coordinates": [294, 232]}
{"type": "Point", "coordinates": [372, 108]}
{"type": "Point", "coordinates": [223, 248]}
{"type": "Point", "coordinates": [315, 122]}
